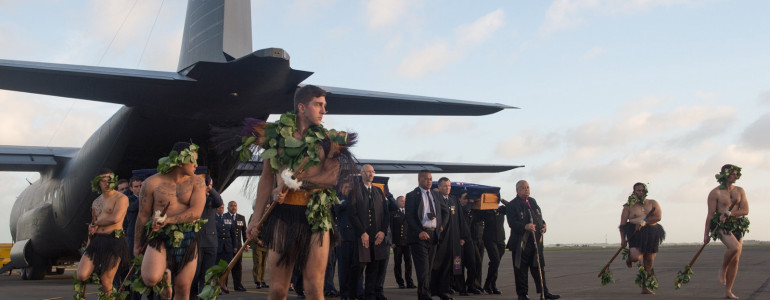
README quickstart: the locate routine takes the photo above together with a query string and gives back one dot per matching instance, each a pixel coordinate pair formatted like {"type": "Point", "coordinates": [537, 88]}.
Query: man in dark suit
{"type": "Point", "coordinates": [447, 266]}
{"type": "Point", "coordinates": [527, 228]}
{"type": "Point", "coordinates": [225, 234]}
{"type": "Point", "coordinates": [400, 247]}
{"type": "Point", "coordinates": [208, 245]}
{"type": "Point", "coordinates": [345, 263]}
{"type": "Point", "coordinates": [469, 249]}
{"type": "Point", "coordinates": [494, 242]}
{"type": "Point", "coordinates": [426, 217]}
{"type": "Point", "coordinates": [239, 227]}
{"type": "Point", "coordinates": [369, 217]}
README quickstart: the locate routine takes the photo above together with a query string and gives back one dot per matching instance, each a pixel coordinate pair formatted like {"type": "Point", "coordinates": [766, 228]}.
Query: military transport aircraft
{"type": "Point", "coordinates": [219, 82]}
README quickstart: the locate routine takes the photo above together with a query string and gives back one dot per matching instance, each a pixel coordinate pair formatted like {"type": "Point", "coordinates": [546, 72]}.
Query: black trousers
{"type": "Point", "coordinates": [494, 263]}
{"type": "Point", "coordinates": [423, 253]}
{"type": "Point", "coordinates": [206, 259]}
{"type": "Point", "coordinates": [441, 276]}
{"type": "Point", "coordinates": [382, 271]}
{"type": "Point", "coordinates": [469, 264]}
{"type": "Point", "coordinates": [237, 273]}
{"type": "Point", "coordinates": [479, 245]}
{"type": "Point", "coordinates": [402, 253]}
{"type": "Point", "coordinates": [226, 255]}
{"type": "Point", "coordinates": [528, 261]}
{"type": "Point", "coordinates": [371, 274]}
{"type": "Point", "coordinates": [331, 263]}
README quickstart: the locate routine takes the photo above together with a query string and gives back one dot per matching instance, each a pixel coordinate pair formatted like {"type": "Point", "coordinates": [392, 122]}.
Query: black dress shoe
{"type": "Point", "coordinates": [332, 294]}
{"type": "Point", "coordinates": [300, 295]}
{"type": "Point", "coordinates": [240, 289]}
{"type": "Point", "coordinates": [523, 297]}
{"type": "Point", "coordinates": [225, 291]}
{"type": "Point", "coordinates": [445, 297]}
{"type": "Point", "coordinates": [259, 286]}
{"type": "Point", "coordinates": [496, 292]}
{"type": "Point", "coordinates": [552, 296]}
{"type": "Point", "coordinates": [488, 291]}
{"type": "Point", "coordinates": [475, 291]}
{"type": "Point", "coordinates": [401, 286]}
{"type": "Point", "coordinates": [411, 286]}
{"type": "Point", "coordinates": [264, 285]}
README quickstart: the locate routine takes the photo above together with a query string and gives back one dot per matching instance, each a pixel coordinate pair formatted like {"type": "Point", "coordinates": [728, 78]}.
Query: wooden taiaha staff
{"type": "Point", "coordinates": [692, 261]}
{"type": "Point", "coordinates": [537, 255]}
{"type": "Point", "coordinates": [231, 265]}
{"type": "Point", "coordinates": [141, 251]}
{"type": "Point", "coordinates": [621, 247]}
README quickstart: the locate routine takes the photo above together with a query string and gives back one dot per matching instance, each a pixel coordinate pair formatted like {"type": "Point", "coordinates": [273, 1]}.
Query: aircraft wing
{"type": "Point", "coordinates": [113, 85]}
{"type": "Point", "coordinates": [254, 168]}
{"type": "Point", "coordinates": [359, 102]}
{"type": "Point", "coordinates": [33, 158]}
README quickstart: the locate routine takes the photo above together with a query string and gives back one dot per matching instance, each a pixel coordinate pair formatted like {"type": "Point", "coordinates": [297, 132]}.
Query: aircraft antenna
{"type": "Point", "coordinates": [72, 102]}
{"type": "Point", "coordinates": [116, 32]}
{"type": "Point", "coordinates": [150, 34]}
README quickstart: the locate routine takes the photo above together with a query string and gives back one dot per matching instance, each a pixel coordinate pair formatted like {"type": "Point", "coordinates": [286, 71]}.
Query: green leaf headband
{"type": "Point", "coordinates": [95, 183]}
{"type": "Point", "coordinates": [632, 199]}
{"type": "Point", "coordinates": [722, 176]}
{"type": "Point", "coordinates": [175, 159]}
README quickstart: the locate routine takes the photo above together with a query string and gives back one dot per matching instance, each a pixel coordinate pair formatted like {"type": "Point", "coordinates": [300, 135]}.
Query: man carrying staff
{"type": "Point", "coordinates": [296, 232]}
{"type": "Point", "coordinates": [726, 220]}
{"type": "Point", "coordinates": [107, 248]}
{"type": "Point", "coordinates": [641, 215]}
{"type": "Point", "coordinates": [526, 241]}
{"type": "Point", "coordinates": [172, 250]}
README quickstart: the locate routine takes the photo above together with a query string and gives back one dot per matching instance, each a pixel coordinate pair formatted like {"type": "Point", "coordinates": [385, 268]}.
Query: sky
{"type": "Point", "coordinates": [610, 92]}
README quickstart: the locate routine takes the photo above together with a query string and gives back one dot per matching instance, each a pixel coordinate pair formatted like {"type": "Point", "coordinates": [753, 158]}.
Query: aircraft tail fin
{"type": "Point", "coordinates": [215, 31]}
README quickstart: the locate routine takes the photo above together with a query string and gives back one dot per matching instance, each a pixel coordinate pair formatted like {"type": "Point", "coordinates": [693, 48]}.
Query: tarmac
{"type": "Point", "coordinates": [569, 272]}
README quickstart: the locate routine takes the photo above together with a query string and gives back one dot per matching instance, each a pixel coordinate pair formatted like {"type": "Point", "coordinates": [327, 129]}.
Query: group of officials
{"type": "Point", "coordinates": [440, 234]}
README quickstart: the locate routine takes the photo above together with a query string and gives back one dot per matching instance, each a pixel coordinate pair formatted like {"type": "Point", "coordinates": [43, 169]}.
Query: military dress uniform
{"type": "Point", "coordinates": [401, 250]}
{"type": "Point", "coordinates": [226, 238]}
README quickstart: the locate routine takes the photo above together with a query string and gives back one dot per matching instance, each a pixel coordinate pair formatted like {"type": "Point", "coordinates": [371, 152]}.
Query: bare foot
{"type": "Point", "coordinates": [730, 295]}
{"type": "Point", "coordinates": [629, 263]}
{"type": "Point", "coordinates": [721, 277]}
{"type": "Point", "coordinates": [647, 291]}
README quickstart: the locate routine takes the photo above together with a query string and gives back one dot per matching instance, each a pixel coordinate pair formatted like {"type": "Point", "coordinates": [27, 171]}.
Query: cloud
{"type": "Point", "coordinates": [755, 135]}
{"type": "Point", "coordinates": [527, 145]}
{"type": "Point", "coordinates": [480, 30]}
{"type": "Point", "coordinates": [594, 52]}
{"type": "Point", "coordinates": [430, 58]}
{"type": "Point", "coordinates": [764, 98]}
{"type": "Point", "coordinates": [430, 126]}
{"type": "Point", "coordinates": [382, 13]}
{"type": "Point", "coordinates": [569, 14]}
{"type": "Point", "coordinates": [438, 54]}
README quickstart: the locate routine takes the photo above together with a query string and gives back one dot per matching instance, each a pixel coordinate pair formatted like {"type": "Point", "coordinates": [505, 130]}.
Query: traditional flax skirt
{"type": "Point", "coordinates": [177, 257]}
{"type": "Point", "coordinates": [287, 232]}
{"type": "Point", "coordinates": [106, 251]}
{"type": "Point", "coordinates": [647, 239]}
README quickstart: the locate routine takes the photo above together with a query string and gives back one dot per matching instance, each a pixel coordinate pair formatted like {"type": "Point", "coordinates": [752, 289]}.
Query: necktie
{"type": "Point", "coordinates": [430, 203]}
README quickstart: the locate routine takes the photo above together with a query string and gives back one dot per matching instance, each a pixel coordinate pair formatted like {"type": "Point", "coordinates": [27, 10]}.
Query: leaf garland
{"type": "Point", "coordinates": [137, 284]}
{"type": "Point", "coordinates": [280, 135]}
{"type": "Point", "coordinates": [317, 212]}
{"type": "Point", "coordinates": [79, 286]}
{"type": "Point", "coordinates": [212, 289]}
{"type": "Point", "coordinates": [731, 224]}
{"type": "Point", "coordinates": [645, 280]}
{"type": "Point", "coordinates": [606, 276]}
{"type": "Point", "coordinates": [682, 277]}
{"type": "Point", "coordinates": [174, 159]}
{"type": "Point", "coordinates": [722, 175]}
{"type": "Point", "coordinates": [113, 181]}
{"type": "Point", "coordinates": [625, 253]}
{"type": "Point", "coordinates": [175, 232]}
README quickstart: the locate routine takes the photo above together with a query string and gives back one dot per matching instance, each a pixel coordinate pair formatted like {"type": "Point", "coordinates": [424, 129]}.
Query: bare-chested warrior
{"type": "Point", "coordinates": [170, 256]}
{"type": "Point", "coordinates": [638, 215]}
{"type": "Point", "coordinates": [726, 220]}
{"type": "Point", "coordinates": [296, 232]}
{"type": "Point", "coordinates": [107, 247]}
